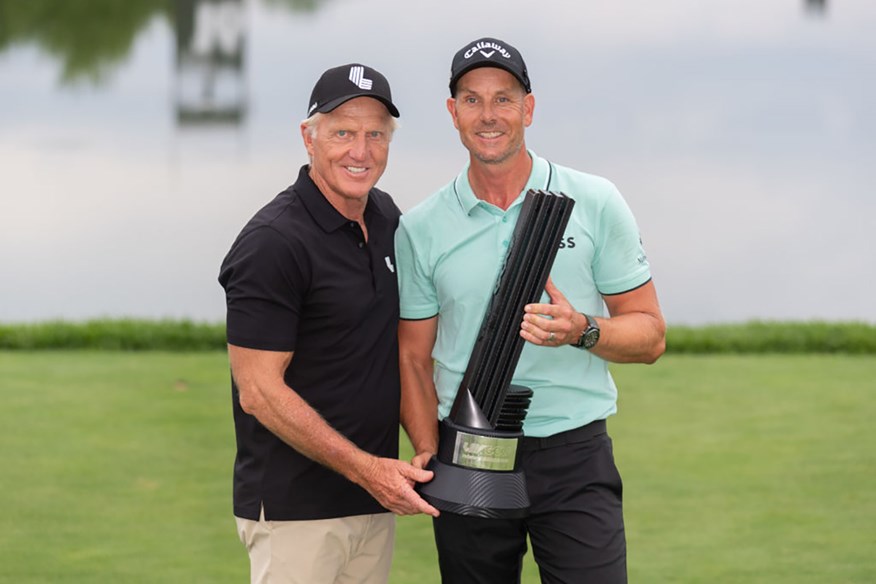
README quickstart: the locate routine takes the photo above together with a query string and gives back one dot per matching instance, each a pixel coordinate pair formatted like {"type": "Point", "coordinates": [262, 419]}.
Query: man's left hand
{"type": "Point", "coordinates": [554, 324]}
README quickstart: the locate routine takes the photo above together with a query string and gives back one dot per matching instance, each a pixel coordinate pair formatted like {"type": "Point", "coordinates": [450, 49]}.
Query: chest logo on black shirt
{"type": "Point", "coordinates": [389, 264]}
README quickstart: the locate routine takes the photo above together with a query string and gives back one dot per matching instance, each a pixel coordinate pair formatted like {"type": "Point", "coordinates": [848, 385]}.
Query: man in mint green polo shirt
{"type": "Point", "coordinates": [599, 306]}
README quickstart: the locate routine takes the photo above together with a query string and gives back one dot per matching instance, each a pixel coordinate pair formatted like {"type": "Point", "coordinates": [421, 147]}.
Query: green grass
{"type": "Point", "coordinates": [117, 468]}
{"type": "Point", "coordinates": [749, 469]}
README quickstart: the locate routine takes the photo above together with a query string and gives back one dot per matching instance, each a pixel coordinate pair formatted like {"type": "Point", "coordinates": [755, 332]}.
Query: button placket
{"type": "Point", "coordinates": [504, 234]}
{"type": "Point", "coordinates": [357, 233]}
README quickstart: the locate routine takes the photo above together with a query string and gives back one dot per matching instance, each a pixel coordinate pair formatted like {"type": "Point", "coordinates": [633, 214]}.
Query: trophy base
{"type": "Point", "coordinates": [476, 493]}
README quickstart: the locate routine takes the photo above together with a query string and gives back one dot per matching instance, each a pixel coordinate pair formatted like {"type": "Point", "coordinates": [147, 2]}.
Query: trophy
{"type": "Point", "coordinates": [476, 470]}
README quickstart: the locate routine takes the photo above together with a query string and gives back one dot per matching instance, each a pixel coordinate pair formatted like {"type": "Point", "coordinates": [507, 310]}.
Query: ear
{"type": "Point", "coordinates": [528, 108]}
{"type": "Point", "coordinates": [308, 139]}
{"type": "Point", "coordinates": [451, 107]}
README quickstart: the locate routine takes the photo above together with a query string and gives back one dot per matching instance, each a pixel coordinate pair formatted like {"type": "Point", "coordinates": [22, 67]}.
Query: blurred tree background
{"type": "Point", "coordinates": [91, 38]}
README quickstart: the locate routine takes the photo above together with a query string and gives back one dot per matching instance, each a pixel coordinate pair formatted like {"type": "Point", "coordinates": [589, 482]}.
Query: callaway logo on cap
{"type": "Point", "coordinates": [341, 84]}
{"type": "Point", "coordinates": [488, 52]}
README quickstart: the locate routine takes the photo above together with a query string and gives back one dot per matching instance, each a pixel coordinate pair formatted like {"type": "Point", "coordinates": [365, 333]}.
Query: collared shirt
{"type": "Point", "coordinates": [300, 277]}
{"type": "Point", "coordinates": [450, 249]}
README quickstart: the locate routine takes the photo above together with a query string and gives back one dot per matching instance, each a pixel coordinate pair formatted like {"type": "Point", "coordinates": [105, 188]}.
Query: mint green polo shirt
{"type": "Point", "coordinates": [449, 250]}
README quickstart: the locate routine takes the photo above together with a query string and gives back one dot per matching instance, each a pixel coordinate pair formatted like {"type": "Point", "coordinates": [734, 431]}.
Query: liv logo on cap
{"type": "Point", "coordinates": [339, 85]}
{"type": "Point", "coordinates": [357, 76]}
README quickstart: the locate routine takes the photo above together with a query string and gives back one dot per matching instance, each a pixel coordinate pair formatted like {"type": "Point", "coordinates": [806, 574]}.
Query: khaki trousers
{"type": "Point", "coordinates": [345, 550]}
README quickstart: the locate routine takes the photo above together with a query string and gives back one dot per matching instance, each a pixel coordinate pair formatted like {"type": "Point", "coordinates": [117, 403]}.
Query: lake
{"type": "Point", "coordinates": [137, 138]}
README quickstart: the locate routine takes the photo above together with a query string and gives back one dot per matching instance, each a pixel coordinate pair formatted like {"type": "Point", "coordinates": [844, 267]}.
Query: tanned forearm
{"type": "Point", "coordinates": [629, 338]}
{"type": "Point", "coordinates": [282, 411]}
{"type": "Point", "coordinates": [634, 333]}
{"type": "Point", "coordinates": [419, 406]}
{"type": "Point", "coordinates": [419, 400]}
{"type": "Point", "coordinates": [259, 376]}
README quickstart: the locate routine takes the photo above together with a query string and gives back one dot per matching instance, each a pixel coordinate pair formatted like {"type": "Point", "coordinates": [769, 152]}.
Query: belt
{"type": "Point", "coordinates": [572, 436]}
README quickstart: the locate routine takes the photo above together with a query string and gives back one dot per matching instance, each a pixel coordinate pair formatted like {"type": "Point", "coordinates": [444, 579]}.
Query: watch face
{"type": "Point", "coordinates": [591, 337]}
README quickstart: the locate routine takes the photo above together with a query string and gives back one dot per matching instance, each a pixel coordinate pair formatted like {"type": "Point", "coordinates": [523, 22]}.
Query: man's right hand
{"type": "Point", "coordinates": [422, 459]}
{"type": "Point", "coordinates": [392, 482]}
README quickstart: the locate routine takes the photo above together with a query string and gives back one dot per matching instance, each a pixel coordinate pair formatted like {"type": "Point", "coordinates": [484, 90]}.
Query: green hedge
{"type": "Point", "coordinates": [123, 335]}
{"type": "Point", "coordinates": [774, 337]}
{"type": "Point", "coordinates": [185, 335]}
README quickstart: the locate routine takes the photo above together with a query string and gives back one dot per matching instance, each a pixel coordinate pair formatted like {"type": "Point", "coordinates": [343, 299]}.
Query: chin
{"type": "Point", "coordinates": [492, 157]}
{"type": "Point", "coordinates": [357, 192]}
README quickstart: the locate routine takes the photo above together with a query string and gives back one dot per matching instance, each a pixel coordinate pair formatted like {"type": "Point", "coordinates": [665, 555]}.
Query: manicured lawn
{"type": "Point", "coordinates": [116, 468]}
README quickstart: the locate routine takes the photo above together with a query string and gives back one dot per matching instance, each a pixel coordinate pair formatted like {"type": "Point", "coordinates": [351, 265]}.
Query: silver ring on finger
{"type": "Point", "coordinates": [551, 337]}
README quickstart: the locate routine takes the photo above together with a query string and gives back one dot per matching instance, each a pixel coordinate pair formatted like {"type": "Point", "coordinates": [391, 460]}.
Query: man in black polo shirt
{"type": "Point", "coordinates": [312, 314]}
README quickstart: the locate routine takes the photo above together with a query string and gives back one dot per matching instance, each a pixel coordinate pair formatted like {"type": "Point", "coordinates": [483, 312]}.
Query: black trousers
{"type": "Point", "coordinates": [575, 522]}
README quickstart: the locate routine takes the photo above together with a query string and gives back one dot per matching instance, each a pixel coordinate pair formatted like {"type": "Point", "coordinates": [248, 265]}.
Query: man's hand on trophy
{"type": "Point", "coordinates": [421, 459]}
{"type": "Point", "coordinates": [391, 482]}
{"type": "Point", "coordinates": [551, 324]}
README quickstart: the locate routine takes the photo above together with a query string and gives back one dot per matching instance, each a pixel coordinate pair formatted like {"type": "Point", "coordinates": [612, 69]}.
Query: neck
{"type": "Point", "coordinates": [351, 208]}
{"type": "Point", "coordinates": [500, 183]}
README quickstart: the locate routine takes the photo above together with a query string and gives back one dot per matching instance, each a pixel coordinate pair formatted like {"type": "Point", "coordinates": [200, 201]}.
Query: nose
{"type": "Point", "coordinates": [487, 112]}
{"type": "Point", "coordinates": [359, 147]}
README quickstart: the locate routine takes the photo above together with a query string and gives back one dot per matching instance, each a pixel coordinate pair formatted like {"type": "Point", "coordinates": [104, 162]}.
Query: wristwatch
{"type": "Point", "coordinates": [589, 336]}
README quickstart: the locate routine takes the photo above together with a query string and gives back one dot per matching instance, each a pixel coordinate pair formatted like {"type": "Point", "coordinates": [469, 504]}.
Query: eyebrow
{"type": "Point", "coordinates": [504, 92]}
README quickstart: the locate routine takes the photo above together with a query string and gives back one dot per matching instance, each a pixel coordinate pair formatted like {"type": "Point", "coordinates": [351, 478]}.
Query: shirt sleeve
{"type": "Point", "coordinates": [418, 298]}
{"type": "Point", "coordinates": [620, 263]}
{"type": "Point", "coordinates": [265, 280]}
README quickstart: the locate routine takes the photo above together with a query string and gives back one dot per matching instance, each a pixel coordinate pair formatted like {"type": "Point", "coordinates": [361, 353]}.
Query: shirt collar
{"type": "Point", "coordinates": [325, 215]}
{"type": "Point", "coordinates": [538, 179]}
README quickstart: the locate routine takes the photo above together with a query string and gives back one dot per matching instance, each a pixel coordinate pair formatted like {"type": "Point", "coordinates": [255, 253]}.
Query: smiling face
{"type": "Point", "coordinates": [491, 111]}
{"type": "Point", "coordinates": [348, 149]}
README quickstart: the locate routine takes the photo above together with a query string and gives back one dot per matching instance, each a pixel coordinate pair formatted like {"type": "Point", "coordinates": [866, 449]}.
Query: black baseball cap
{"type": "Point", "coordinates": [341, 84]}
{"type": "Point", "coordinates": [488, 52]}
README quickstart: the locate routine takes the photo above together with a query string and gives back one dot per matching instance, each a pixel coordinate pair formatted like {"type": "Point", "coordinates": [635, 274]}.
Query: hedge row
{"type": "Point", "coordinates": [774, 337]}
{"type": "Point", "coordinates": [122, 335]}
{"type": "Point", "coordinates": [184, 335]}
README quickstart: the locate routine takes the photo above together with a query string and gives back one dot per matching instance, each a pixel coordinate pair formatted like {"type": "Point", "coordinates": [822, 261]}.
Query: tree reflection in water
{"type": "Point", "coordinates": [91, 39]}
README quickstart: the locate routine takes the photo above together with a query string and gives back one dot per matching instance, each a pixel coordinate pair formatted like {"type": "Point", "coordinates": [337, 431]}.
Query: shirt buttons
{"type": "Point", "coordinates": [361, 244]}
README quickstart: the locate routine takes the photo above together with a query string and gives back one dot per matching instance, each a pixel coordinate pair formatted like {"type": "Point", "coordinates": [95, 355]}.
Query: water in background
{"type": "Point", "coordinates": [137, 137]}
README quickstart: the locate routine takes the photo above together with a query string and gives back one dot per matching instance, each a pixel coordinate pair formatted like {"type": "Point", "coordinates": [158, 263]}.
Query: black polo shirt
{"type": "Point", "coordinates": [300, 277]}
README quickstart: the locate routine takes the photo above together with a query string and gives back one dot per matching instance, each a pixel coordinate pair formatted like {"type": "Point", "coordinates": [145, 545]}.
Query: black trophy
{"type": "Point", "coordinates": [476, 469]}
